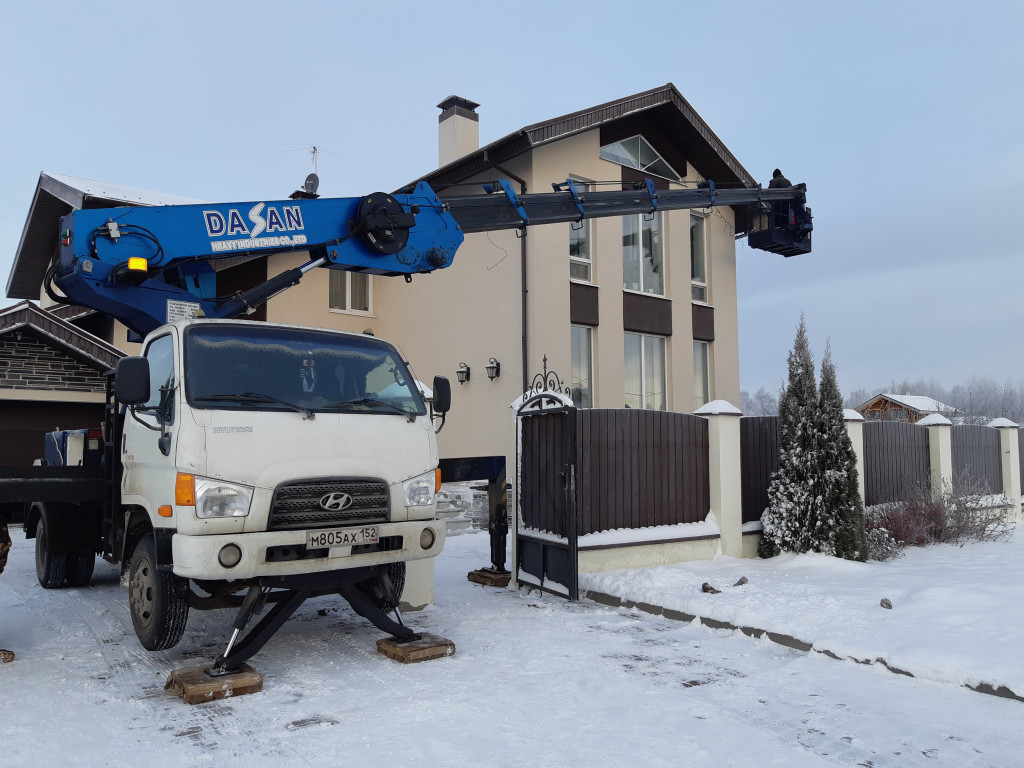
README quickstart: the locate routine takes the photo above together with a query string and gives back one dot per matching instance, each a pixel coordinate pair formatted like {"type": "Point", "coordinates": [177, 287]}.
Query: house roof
{"type": "Point", "coordinates": [57, 195]}
{"type": "Point", "coordinates": [664, 106]}
{"type": "Point", "coordinates": [64, 335]}
{"type": "Point", "coordinates": [918, 403]}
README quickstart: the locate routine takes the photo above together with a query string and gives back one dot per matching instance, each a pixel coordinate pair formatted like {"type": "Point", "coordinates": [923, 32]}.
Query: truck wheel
{"type": "Point", "coordinates": [375, 590]}
{"type": "Point", "coordinates": [158, 600]}
{"type": "Point", "coordinates": [79, 566]}
{"type": "Point", "coordinates": [49, 565]}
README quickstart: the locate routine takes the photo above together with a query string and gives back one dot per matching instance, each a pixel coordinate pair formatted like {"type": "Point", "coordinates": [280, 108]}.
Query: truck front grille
{"type": "Point", "coordinates": [318, 503]}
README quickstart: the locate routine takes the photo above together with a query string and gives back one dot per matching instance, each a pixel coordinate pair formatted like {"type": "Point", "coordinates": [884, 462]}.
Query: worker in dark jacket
{"type": "Point", "coordinates": [5, 547]}
{"type": "Point", "coordinates": [778, 180]}
{"type": "Point", "coordinates": [780, 210]}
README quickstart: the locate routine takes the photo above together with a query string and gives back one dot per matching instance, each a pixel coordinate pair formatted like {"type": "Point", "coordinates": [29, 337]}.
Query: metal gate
{"type": "Point", "coordinates": [546, 526]}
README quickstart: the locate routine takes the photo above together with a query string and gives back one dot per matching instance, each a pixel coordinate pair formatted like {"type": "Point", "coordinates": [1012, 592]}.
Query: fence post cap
{"type": "Point", "coordinates": [718, 408]}
{"type": "Point", "coordinates": [1002, 423]}
{"type": "Point", "coordinates": [851, 415]}
{"type": "Point", "coordinates": [934, 420]}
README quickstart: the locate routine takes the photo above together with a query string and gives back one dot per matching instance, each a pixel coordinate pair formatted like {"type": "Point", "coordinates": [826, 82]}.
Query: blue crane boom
{"type": "Point", "coordinates": [147, 265]}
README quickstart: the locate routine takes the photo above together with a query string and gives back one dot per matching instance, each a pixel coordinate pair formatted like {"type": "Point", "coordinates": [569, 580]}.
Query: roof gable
{"type": "Point", "coordinates": [662, 107]}
{"type": "Point", "coordinates": [61, 335]}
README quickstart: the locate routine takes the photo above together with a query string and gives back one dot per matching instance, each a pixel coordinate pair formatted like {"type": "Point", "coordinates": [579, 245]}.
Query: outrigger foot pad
{"type": "Point", "coordinates": [195, 685]}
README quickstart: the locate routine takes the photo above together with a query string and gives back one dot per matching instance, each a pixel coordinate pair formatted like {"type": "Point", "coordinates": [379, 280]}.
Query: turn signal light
{"type": "Point", "coordinates": [185, 490]}
{"type": "Point", "coordinates": [437, 480]}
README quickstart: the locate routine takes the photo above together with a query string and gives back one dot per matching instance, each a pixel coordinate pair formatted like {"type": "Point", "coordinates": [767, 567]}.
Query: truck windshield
{"type": "Point", "coordinates": [274, 369]}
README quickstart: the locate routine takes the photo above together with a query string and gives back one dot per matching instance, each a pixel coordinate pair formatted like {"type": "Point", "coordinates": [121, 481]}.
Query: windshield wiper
{"type": "Point", "coordinates": [374, 401]}
{"type": "Point", "coordinates": [258, 397]}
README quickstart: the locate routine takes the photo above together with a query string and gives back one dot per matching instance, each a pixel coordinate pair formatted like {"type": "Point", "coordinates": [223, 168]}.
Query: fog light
{"type": "Point", "coordinates": [427, 538]}
{"type": "Point", "coordinates": [230, 555]}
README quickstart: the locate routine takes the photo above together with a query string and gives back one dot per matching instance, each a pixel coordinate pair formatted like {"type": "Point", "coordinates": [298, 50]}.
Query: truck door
{"type": "Point", "coordinates": [149, 470]}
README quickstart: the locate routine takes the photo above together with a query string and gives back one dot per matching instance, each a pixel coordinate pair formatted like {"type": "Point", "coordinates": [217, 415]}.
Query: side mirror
{"type": "Point", "coordinates": [442, 395]}
{"type": "Point", "coordinates": [132, 381]}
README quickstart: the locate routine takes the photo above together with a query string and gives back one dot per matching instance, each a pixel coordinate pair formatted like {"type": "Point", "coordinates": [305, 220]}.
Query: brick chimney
{"type": "Point", "coordinates": [458, 130]}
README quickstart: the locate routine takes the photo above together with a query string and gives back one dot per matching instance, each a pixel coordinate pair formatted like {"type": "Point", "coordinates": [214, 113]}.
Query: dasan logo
{"type": "Point", "coordinates": [288, 219]}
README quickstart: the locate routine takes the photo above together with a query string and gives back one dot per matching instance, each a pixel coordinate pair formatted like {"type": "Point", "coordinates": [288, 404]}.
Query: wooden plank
{"type": "Point", "coordinates": [424, 648]}
{"type": "Point", "coordinates": [194, 686]}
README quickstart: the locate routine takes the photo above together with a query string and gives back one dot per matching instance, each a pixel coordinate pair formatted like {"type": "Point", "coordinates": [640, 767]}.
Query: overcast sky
{"type": "Point", "coordinates": [904, 119]}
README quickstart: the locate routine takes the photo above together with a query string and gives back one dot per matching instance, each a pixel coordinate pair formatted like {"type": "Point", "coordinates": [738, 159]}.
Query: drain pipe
{"type": "Point", "coordinates": [522, 264]}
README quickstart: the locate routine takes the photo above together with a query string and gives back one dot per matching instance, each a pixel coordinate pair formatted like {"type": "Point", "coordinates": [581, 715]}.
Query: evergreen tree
{"type": "Point", "coordinates": [794, 494]}
{"type": "Point", "coordinates": [842, 530]}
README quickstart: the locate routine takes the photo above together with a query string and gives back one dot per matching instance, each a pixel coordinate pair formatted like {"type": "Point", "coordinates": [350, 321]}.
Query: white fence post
{"type": "Point", "coordinates": [1009, 457]}
{"type": "Point", "coordinates": [724, 471]}
{"type": "Point", "coordinates": [940, 452]}
{"type": "Point", "coordinates": [855, 429]}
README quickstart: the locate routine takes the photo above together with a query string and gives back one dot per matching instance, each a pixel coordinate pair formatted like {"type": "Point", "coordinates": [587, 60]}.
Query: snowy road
{"type": "Point", "coordinates": [534, 682]}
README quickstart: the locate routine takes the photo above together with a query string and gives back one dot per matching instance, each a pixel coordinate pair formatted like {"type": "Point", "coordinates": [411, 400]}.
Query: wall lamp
{"type": "Point", "coordinates": [462, 373]}
{"type": "Point", "coordinates": [493, 369]}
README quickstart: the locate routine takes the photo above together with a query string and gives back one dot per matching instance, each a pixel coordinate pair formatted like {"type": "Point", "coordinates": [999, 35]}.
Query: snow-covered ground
{"type": "Point", "coordinates": [536, 681]}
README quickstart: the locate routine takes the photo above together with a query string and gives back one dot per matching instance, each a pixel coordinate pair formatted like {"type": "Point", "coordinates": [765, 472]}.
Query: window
{"type": "Point", "coordinates": [643, 266]}
{"type": "Point", "coordinates": [160, 354]}
{"type": "Point", "coordinates": [636, 152]}
{"type": "Point", "coordinates": [644, 368]}
{"type": "Point", "coordinates": [271, 368]}
{"type": "Point", "coordinates": [350, 292]}
{"type": "Point", "coordinates": [698, 260]}
{"type": "Point", "coordinates": [701, 374]}
{"type": "Point", "coordinates": [580, 245]}
{"type": "Point", "coordinates": [582, 383]}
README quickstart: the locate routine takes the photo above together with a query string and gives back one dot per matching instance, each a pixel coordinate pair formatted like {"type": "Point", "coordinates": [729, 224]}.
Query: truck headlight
{"type": "Point", "coordinates": [419, 491]}
{"type": "Point", "coordinates": [215, 498]}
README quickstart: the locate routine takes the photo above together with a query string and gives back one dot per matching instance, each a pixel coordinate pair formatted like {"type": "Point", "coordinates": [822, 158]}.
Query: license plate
{"type": "Point", "coordinates": [342, 537]}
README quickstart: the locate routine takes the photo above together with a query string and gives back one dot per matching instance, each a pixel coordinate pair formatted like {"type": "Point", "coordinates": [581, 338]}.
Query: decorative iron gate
{"type": "Point", "coordinates": [546, 526]}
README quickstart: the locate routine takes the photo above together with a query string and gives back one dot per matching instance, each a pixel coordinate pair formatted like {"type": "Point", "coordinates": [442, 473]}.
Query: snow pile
{"type": "Point", "coordinates": [957, 615]}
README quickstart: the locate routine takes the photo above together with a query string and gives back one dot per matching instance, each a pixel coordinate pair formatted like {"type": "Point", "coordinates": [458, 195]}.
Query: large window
{"type": "Point", "coordinates": [350, 292]}
{"type": "Point", "coordinates": [580, 245]}
{"type": "Point", "coordinates": [636, 152]}
{"type": "Point", "coordinates": [643, 264]}
{"type": "Point", "coordinates": [582, 384]}
{"type": "Point", "coordinates": [701, 374]}
{"type": "Point", "coordinates": [645, 375]}
{"type": "Point", "coordinates": [698, 259]}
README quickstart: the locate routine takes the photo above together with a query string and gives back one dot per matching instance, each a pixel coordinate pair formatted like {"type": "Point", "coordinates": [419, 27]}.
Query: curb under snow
{"type": "Point", "coordinates": [992, 689]}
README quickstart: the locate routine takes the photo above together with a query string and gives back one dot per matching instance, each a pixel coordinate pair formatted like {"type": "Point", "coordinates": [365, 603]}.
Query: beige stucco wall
{"type": "Point", "coordinates": [647, 555]}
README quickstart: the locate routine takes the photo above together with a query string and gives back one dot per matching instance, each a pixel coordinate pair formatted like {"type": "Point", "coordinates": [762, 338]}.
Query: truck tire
{"type": "Point", "coordinates": [79, 566]}
{"type": "Point", "coordinates": [50, 566]}
{"type": "Point", "coordinates": [157, 599]}
{"type": "Point", "coordinates": [374, 588]}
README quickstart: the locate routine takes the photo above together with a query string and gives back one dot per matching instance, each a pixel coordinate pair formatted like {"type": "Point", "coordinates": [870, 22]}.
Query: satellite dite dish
{"type": "Point", "coordinates": [311, 184]}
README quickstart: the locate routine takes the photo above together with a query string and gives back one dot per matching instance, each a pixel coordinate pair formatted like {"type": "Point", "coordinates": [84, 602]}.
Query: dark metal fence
{"type": "Point", "coordinates": [896, 461]}
{"type": "Point", "coordinates": [641, 468]}
{"type": "Point", "coordinates": [976, 459]}
{"type": "Point", "coordinates": [759, 459]}
{"type": "Point", "coordinates": [1020, 457]}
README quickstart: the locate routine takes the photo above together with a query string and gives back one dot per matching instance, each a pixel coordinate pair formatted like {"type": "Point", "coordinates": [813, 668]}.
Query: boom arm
{"type": "Point", "coordinates": [148, 265]}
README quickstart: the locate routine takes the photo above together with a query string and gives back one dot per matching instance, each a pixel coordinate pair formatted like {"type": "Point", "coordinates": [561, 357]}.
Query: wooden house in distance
{"type": "Point", "coordinates": [909, 408]}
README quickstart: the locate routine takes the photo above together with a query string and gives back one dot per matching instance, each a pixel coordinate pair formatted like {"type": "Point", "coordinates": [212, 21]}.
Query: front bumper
{"type": "Point", "coordinates": [196, 557]}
